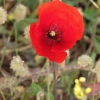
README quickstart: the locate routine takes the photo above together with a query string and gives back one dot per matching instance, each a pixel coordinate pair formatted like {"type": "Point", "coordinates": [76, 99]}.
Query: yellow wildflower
{"type": "Point", "coordinates": [87, 90]}
{"type": "Point", "coordinates": [78, 92]}
{"type": "Point", "coordinates": [82, 79]}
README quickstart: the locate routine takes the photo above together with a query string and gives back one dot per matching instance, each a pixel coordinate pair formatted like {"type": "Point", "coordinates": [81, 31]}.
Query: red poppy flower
{"type": "Point", "coordinates": [58, 28]}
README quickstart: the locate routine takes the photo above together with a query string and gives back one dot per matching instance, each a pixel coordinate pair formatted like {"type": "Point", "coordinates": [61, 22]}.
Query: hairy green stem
{"type": "Point", "coordinates": [2, 95]}
{"type": "Point", "coordinates": [55, 87]}
{"type": "Point", "coordinates": [46, 64]}
{"type": "Point", "coordinates": [48, 85]}
{"type": "Point", "coordinates": [4, 4]}
{"type": "Point", "coordinates": [2, 58]}
{"type": "Point", "coordinates": [4, 49]}
{"type": "Point", "coordinates": [16, 38]}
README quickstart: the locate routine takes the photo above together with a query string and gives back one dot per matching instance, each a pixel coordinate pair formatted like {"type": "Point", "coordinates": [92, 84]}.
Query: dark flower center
{"type": "Point", "coordinates": [51, 34]}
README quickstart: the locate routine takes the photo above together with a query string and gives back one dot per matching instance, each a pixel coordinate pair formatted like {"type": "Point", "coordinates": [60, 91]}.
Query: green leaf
{"type": "Point", "coordinates": [90, 14]}
{"type": "Point", "coordinates": [1, 29]}
{"type": "Point", "coordinates": [31, 4]}
{"type": "Point", "coordinates": [22, 24]}
{"type": "Point", "coordinates": [70, 2]}
{"type": "Point", "coordinates": [35, 88]}
{"type": "Point", "coordinates": [93, 56]}
{"type": "Point", "coordinates": [51, 96]}
{"type": "Point", "coordinates": [97, 44]}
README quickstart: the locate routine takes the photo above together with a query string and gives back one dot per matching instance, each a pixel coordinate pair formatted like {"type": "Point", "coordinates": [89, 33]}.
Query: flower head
{"type": "Point", "coordinates": [18, 66]}
{"type": "Point", "coordinates": [82, 79]}
{"type": "Point", "coordinates": [88, 90]}
{"type": "Point", "coordinates": [40, 95]}
{"type": "Point", "coordinates": [79, 90]}
{"type": "Point", "coordinates": [84, 60]}
{"type": "Point", "coordinates": [20, 12]}
{"type": "Point", "coordinates": [58, 28]}
{"type": "Point", "coordinates": [97, 69]}
{"type": "Point", "coordinates": [26, 32]}
{"type": "Point", "coordinates": [3, 15]}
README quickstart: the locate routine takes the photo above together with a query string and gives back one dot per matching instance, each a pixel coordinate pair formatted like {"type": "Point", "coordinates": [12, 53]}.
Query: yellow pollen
{"type": "Point", "coordinates": [52, 33]}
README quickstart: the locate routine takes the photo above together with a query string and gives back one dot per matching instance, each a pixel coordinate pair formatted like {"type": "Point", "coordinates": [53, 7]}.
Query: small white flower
{"type": "Point", "coordinates": [18, 66]}
{"type": "Point", "coordinates": [98, 77]}
{"type": "Point", "coordinates": [97, 66]}
{"type": "Point", "coordinates": [40, 95]}
{"type": "Point", "coordinates": [84, 60]}
{"type": "Point", "coordinates": [20, 89]}
{"type": "Point", "coordinates": [20, 12]}
{"type": "Point", "coordinates": [16, 63]}
{"type": "Point", "coordinates": [26, 32]}
{"type": "Point", "coordinates": [3, 15]}
{"type": "Point", "coordinates": [9, 82]}
{"type": "Point", "coordinates": [97, 70]}
{"type": "Point", "coordinates": [80, 11]}
{"type": "Point", "coordinates": [68, 53]}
